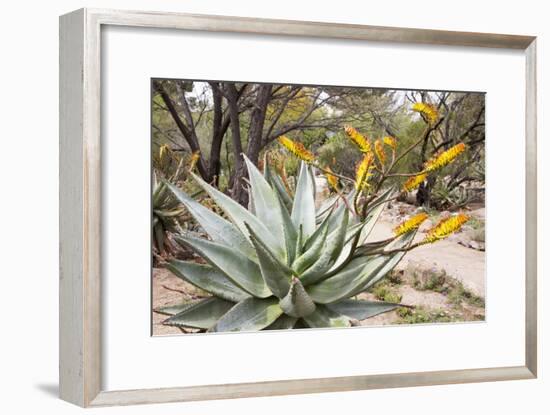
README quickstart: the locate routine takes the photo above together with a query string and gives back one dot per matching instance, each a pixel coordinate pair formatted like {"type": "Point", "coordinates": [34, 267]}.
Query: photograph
{"type": "Point", "coordinates": [281, 206]}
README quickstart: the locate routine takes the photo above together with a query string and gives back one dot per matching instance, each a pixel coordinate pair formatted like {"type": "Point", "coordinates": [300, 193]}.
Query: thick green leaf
{"type": "Point", "coordinates": [250, 315]}
{"type": "Point", "coordinates": [311, 254]}
{"type": "Point", "coordinates": [336, 216]}
{"type": "Point", "coordinates": [330, 252]}
{"type": "Point", "coordinates": [319, 232]}
{"type": "Point", "coordinates": [390, 262]}
{"type": "Point", "coordinates": [366, 227]}
{"type": "Point", "coordinates": [159, 236]}
{"type": "Point", "coordinates": [277, 184]}
{"type": "Point", "coordinates": [275, 273]}
{"type": "Point", "coordinates": [207, 278]}
{"type": "Point", "coordinates": [325, 317]}
{"type": "Point", "coordinates": [284, 205]}
{"type": "Point", "coordinates": [158, 193]}
{"type": "Point", "coordinates": [290, 234]}
{"type": "Point", "coordinates": [239, 216]}
{"type": "Point", "coordinates": [303, 209]}
{"type": "Point", "coordinates": [265, 201]}
{"type": "Point", "coordinates": [355, 276]}
{"type": "Point", "coordinates": [361, 310]}
{"type": "Point", "coordinates": [299, 243]}
{"type": "Point", "coordinates": [219, 229]}
{"type": "Point", "coordinates": [241, 270]}
{"type": "Point", "coordinates": [172, 310]}
{"type": "Point", "coordinates": [381, 200]}
{"type": "Point", "coordinates": [370, 222]}
{"type": "Point", "coordinates": [327, 206]}
{"type": "Point", "coordinates": [301, 324]}
{"type": "Point", "coordinates": [201, 315]}
{"type": "Point", "coordinates": [283, 323]}
{"type": "Point", "coordinates": [337, 238]}
{"type": "Point", "coordinates": [297, 303]}
{"type": "Point", "coordinates": [393, 260]}
{"type": "Point", "coordinates": [344, 283]}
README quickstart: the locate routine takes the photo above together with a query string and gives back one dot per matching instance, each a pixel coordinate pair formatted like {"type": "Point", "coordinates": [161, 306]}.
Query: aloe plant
{"type": "Point", "coordinates": [167, 210]}
{"type": "Point", "coordinates": [284, 264]}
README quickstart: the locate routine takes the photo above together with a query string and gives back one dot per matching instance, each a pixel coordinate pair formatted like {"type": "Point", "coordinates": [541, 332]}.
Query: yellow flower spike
{"type": "Point", "coordinates": [445, 228]}
{"type": "Point", "coordinates": [358, 139]}
{"type": "Point", "coordinates": [331, 179]}
{"type": "Point", "coordinates": [297, 149]}
{"type": "Point", "coordinates": [379, 150]}
{"type": "Point", "coordinates": [444, 158]}
{"type": "Point", "coordinates": [413, 182]}
{"type": "Point", "coordinates": [363, 172]}
{"type": "Point", "coordinates": [410, 224]}
{"type": "Point", "coordinates": [164, 152]}
{"type": "Point", "coordinates": [194, 159]}
{"type": "Point", "coordinates": [428, 110]}
{"type": "Point", "coordinates": [390, 141]}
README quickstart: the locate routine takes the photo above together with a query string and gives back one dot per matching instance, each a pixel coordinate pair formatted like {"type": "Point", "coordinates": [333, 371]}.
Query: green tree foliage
{"type": "Point", "coordinates": [221, 121]}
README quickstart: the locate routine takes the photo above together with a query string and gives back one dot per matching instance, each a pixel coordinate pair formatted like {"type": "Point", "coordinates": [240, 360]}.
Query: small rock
{"type": "Point", "coordinates": [480, 246]}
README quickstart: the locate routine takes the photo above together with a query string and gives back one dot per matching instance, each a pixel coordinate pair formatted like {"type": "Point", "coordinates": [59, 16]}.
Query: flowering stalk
{"type": "Point", "coordinates": [194, 159]}
{"type": "Point", "coordinates": [446, 157]}
{"type": "Point", "coordinates": [428, 111]}
{"type": "Point", "coordinates": [379, 151]}
{"type": "Point", "coordinates": [442, 230]}
{"type": "Point", "coordinates": [363, 172]}
{"type": "Point", "coordinates": [331, 179]}
{"type": "Point", "coordinates": [413, 182]}
{"type": "Point", "coordinates": [410, 224]}
{"type": "Point", "coordinates": [297, 149]}
{"type": "Point", "coordinates": [358, 139]}
{"type": "Point", "coordinates": [391, 142]}
{"type": "Point", "coordinates": [445, 227]}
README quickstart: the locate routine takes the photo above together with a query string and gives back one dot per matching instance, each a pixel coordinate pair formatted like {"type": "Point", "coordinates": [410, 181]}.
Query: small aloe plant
{"type": "Point", "coordinates": [167, 211]}
{"type": "Point", "coordinates": [286, 264]}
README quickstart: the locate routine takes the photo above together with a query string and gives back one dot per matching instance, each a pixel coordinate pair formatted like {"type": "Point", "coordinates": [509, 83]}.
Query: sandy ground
{"type": "Point", "coordinates": [465, 264]}
{"type": "Point", "coordinates": [169, 290]}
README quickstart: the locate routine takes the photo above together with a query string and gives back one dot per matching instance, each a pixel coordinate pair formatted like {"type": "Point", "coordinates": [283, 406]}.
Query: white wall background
{"type": "Point", "coordinates": [28, 212]}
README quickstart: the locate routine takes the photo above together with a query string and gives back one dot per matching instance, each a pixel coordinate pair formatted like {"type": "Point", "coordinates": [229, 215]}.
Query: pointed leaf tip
{"type": "Point", "coordinates": [297, 303]}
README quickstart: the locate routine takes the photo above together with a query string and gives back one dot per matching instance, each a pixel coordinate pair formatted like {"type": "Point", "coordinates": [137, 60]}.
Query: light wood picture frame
{"type": "Point", "coordinates": [80, 206]}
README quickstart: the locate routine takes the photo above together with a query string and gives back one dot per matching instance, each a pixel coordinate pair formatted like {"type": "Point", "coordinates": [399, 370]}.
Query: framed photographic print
{"type": "Point", "coordinates": [308, 207]}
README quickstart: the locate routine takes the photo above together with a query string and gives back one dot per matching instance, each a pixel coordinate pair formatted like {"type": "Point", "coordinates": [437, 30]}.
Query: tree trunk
{"type": "Point", "coordinates": [257, 121]}
{"type": "Point", "coordinates": [238, 193]}
{"type": "Point", "coordinates": [423, 195]}
{"type": "Point", "coordinates": [214, 163]}
{"type": "Point", "coordinates": [187, 133]}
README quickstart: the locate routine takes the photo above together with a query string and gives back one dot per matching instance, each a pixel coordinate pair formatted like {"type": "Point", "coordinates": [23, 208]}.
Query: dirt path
{"type": "Point", "coordinates": [465, 264]}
